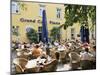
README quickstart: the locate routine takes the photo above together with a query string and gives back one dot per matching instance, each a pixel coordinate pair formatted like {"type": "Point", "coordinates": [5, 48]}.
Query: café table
{"type": "Point", "coordinates": [34, 65]}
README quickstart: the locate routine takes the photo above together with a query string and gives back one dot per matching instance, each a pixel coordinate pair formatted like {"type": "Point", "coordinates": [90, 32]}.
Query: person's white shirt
{"type": "Point", "coordinates": [69, 44]}
{"type": "Point", "coordinates": [22, 46]}
{"type": "Point", "coordinates": [56, 43]}
{"type": "Point", "coordinates": [85, 56]}
{"type": "Point", "coordinates": [61, 47]}
{"type": "Point", "coordinates": [28, 45]}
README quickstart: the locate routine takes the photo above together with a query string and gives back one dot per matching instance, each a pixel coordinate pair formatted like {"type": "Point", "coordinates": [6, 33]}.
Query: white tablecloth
{"type": "Point", "coordinates": [31, 63]}
{"type": "Point", "coordinates": [34, 62]}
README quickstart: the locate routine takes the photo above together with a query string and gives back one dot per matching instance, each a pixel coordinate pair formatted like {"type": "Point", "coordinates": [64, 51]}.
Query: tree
{"type": "Point", "coordinates": [22, 5]}
{"type": "Point", "coordinates": [55, 33]}
{"type": "Point", "coordinates": [79, 13]}
{"type": "Point", "coordinates": [32, 35]}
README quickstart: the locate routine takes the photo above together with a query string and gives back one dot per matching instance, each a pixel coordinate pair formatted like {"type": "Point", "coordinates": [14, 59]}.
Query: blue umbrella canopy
{"type": "Point", "coordinates": [84, 32]}
{"type": "Point", "coordinates": [87, 34]}
{"type": "Point", "coordinates": [44, 28]}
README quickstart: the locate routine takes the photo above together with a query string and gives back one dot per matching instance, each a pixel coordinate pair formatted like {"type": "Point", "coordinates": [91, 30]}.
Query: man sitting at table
{"type": "Point", "coordinates": [37, 51]}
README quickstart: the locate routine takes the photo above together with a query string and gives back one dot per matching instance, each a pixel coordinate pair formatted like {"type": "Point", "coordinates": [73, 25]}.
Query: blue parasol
{"type": "Point", "coordinates": [84, 32]}
{"type": "Point", "coordinates": [44, 28]}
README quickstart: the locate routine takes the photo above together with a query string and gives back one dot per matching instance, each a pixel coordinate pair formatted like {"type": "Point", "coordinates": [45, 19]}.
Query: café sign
{"type": "Point", "coordinates": [27, 20]}
{"type": "Point", "coordinates": [38, 21]}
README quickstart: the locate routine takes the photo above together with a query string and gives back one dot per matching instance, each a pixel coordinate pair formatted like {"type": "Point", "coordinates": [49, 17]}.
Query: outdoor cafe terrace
{"type": "Point", "coordinates": [59, 56]}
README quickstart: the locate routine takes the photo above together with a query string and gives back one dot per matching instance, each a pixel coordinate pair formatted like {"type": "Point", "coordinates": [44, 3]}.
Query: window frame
{"type": "Point", "coordinates": [15, 8]}
{"type": "Point", "coordinates": [15, 30]}
{"type": "Point", "coordinates": [42, 7]}
{"type": "Point", "coordinates": [72, 33]}
{"type": "Point", "coordinates": [58, 13]}
{"type": "Point", "coordinates": [39, 29]}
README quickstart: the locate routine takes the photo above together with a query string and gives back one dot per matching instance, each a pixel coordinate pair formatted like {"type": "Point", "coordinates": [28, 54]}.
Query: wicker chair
{"type": "Point", "coordinates": [21, 54]}
{"type": "Point", "coordinates": [86, 64]}
{"type": "Point", "coordinates": [32, 70]}
{"type": "Point", "coordinates": [52, 54]}
{"type": "Point", "coordinates": [20, 64]}
{"type": "Point", "coordinates": [62, 56]}
{"type": "Point", "coordinates": [74, 60]}
{"type": "Point", "coordinates": [50, 67]}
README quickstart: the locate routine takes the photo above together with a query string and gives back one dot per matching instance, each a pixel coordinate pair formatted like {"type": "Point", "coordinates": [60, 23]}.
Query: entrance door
{"type": "Point", "coordinates": [40, 33]}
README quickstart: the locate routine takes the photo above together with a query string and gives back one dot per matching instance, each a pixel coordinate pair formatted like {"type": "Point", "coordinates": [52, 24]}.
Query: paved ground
{"type": "Point", "coordinates": [63, 67]}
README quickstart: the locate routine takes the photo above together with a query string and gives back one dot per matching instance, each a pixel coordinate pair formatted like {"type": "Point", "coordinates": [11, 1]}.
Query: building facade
{"type": "Point", "coordinates": [27, 15]}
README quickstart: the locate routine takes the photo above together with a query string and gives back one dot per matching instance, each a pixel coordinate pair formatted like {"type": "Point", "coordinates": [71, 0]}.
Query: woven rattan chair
{"type": "Point", "coordinates": [74, 60]}
{"type": "Point", "coordinates": [50, 66]}
{"type": "Point", "coordinates": [20, 64]}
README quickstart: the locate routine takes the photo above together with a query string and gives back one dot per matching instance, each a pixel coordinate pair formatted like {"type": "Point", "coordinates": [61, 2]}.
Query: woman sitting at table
{"type": "Point", "coordinates": [86, 55]}
{"type": "Point", "coordinates": [37, 51]}
{"type": "Point", "coordinates": [86, 59]}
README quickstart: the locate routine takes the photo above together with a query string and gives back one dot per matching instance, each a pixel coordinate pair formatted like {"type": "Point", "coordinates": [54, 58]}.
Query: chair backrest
{"type": "Point", "coordinates": [22, 55]}
{"type": "Point", "coordinates": [62, 54]}
{"type": "Point", "coordinates": [50, 66]}
{"type": "Point", "coordinates": [18, 69]}
{"type": "Point", "coordinates": [18, 50]}
{"type": "Point", "coordinates": [74, 56]}
{"type": "Point", "coordinates": [20, 63]}
{"type": "Point", "coordinates": [52, 54]}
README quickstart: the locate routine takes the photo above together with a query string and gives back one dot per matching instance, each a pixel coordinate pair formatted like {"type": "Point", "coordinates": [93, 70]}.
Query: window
{"type": "Point", "coordinates": [58, 13]}
{"type": "Point", "coordinates": [72, 33]}
{"type": "Point", "coordinates": [15, 7]}
{"type": "Point", "coordinates": [40, 33]}
{"type": "Point", "coordinates": [39, 29]}
{"type": "Point", "coordinates": [15, 30]}
{"type": "Point", "coordinates": [42, 7]}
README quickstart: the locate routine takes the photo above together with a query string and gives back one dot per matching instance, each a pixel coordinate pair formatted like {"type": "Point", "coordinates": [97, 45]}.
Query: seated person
{"type": "Point", "coordinates": [85, 59]}
{"type": "Point", "coordinates": [86, 55]}
{"type": "Point", "coordinates": [37, 51]}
